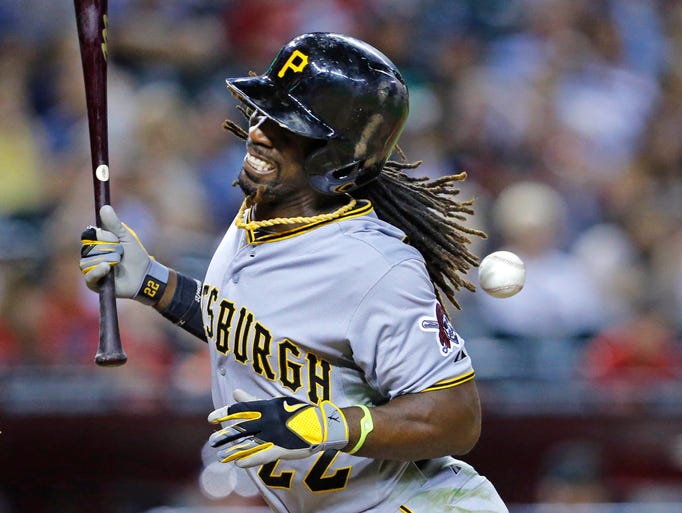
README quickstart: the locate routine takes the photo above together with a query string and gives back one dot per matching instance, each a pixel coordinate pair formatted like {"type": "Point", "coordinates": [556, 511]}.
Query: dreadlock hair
{"type": "Point", "coordinates": [426, 210]}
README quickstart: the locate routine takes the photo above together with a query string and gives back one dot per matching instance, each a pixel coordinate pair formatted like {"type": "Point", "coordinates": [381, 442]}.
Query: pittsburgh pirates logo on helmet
{"type": "Point", "coordinates": [296, 62]}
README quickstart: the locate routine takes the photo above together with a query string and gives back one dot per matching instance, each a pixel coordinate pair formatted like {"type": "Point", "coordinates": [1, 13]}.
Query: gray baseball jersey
{"type": "Point", "coordinates": [342, 310]}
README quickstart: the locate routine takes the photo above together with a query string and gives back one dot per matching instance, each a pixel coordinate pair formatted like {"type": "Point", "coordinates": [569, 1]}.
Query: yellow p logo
{"type": "Point", "coordinates": [297, 61]}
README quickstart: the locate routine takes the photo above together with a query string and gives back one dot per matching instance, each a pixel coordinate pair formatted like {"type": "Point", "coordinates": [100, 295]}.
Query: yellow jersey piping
{"type": "Point", "coordinates": [452, 382]}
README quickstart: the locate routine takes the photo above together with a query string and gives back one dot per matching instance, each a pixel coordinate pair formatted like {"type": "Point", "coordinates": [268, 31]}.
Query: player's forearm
{"type": "Point", "coordinates": [181, 303]}
{"type": "Point", "coordinates": [420, 426]}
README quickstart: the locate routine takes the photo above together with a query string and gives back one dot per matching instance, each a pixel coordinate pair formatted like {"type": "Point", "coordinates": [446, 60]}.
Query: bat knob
{"type": "Point", "coordinates": [110, 359]}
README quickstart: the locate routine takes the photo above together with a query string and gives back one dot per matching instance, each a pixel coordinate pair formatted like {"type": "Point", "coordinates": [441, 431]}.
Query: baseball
{"type": "Point", "coordinates": [502, 274]}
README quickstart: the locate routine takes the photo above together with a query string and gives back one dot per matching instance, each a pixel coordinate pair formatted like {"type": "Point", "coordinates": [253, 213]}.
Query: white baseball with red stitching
{"type": "Point", "coordinates": [502, 274]}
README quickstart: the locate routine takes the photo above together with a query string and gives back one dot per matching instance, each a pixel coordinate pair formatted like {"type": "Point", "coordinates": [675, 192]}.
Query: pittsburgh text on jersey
{"type": "Point", "coordinates": [236, 331]}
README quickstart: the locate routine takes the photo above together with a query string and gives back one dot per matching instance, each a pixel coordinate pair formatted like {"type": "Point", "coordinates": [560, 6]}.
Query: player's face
{"type": "Point", "coordinates": [274, 161]}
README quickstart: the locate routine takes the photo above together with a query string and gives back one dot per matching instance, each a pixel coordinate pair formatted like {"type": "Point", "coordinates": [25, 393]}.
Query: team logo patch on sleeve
{"type": "Point", "coordinates": [447, 337]}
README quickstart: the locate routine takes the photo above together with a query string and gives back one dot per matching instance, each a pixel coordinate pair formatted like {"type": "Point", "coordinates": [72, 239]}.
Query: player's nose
{"type": "Point", "coordinates": [256, 133]}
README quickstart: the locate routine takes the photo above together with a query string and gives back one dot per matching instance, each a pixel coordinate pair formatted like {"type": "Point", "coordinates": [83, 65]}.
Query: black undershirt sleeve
{"type": "Point", "coordinates": [185, 307]}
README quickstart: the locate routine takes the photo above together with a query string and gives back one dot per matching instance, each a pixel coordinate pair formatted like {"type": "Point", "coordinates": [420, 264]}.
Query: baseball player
{"type": "Point", "coordinates": [338, 381]}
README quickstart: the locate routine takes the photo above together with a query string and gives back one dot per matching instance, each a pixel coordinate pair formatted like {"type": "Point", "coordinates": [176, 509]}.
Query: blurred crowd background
{"type": "Point", "coordinates": [566, 115]}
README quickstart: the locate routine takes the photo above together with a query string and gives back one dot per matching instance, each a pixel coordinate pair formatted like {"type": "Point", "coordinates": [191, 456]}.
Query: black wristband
{"type": "Point", "coordinates": [185, 307]}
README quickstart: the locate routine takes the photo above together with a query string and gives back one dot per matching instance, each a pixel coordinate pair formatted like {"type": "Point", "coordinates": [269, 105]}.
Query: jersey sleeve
{"type": "Point", "coordinates": [402, 338]}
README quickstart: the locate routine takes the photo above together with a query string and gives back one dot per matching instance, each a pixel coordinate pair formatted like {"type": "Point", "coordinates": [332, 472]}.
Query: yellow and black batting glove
{"type": "Point", "coordinates": [256, 432]}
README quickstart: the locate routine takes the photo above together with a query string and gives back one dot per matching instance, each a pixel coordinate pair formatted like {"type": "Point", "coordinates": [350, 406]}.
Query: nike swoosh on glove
{"type": "Point", "coordinates": [255, 431]}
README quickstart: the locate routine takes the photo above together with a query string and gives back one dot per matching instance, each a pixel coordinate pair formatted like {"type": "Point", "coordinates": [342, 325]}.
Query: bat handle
{"type": "Point", "coordinates": [110, 351]}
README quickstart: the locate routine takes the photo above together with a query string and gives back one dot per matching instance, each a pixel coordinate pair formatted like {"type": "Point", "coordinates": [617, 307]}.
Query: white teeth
{"type": "Point", "coordinates": [258, 164]}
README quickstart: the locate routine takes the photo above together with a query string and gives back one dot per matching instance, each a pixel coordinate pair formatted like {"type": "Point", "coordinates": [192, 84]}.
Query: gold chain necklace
{"type": "Point", "coordinates": [254, 225]}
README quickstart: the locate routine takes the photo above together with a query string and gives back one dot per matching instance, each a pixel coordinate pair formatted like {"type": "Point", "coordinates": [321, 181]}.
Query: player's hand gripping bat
{"type": "Point", "coordinates": [91, 20]}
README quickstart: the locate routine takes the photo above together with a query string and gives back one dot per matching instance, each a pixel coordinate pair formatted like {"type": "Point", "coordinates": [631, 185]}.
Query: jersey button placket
{"type": "Point", "coordinates": [240, 261]}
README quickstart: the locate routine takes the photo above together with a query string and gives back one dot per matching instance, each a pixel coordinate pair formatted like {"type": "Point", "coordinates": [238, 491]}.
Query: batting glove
{"type": "Point", "coordinates": [137, 275]}
{"type": "Point", "coordinates": [261, 431]}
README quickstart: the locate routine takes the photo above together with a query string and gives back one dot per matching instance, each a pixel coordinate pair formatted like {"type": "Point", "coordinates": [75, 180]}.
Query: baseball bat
{"type": "Point", "coordinates": [91, 21]}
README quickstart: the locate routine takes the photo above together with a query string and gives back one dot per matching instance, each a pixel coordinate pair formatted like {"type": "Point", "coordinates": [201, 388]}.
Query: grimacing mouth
{"type": "Point", "coordinates": [258, 164]}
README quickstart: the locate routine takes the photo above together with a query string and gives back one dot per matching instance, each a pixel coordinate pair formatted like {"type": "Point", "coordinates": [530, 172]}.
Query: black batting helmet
{"type": "Point", "coordinates": [336, 89]}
